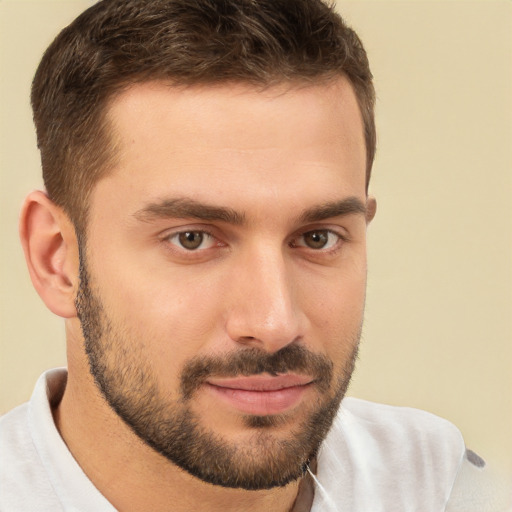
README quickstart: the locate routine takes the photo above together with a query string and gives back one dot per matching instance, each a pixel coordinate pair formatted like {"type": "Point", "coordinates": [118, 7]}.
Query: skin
{"type": "Point", "coordinates": [271, 156]}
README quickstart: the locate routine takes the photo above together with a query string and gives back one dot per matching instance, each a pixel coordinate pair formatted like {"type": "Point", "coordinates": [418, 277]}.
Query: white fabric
{"type": "Point", "coordinates": [375, 458]}
{"type": "Point", "coordinates": [479, 489]}
{"type": "Point", "coordinates": [382, 458]}
{"type": "Point", "coordinates": [37, 471]}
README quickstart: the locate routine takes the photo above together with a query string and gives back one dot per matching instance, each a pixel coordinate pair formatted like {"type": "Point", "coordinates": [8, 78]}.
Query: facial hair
{"type": "Point", "coordinates": [125, 378]}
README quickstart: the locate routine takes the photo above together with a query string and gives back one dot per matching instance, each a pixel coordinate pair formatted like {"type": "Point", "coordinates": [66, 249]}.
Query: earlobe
{"type": "Point", "coordinates": [371, 208]}
{"type": "Point", "coordinates": [51, 252]}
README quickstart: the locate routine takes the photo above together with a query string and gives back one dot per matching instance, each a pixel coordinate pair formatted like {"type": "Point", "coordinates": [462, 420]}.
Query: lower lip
{"type": "Point", "coordinates": [260, 403]}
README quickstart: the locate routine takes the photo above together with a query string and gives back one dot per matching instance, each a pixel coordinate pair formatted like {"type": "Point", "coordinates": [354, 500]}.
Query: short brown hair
{"type": "Point", "coordinates": [116, 43]}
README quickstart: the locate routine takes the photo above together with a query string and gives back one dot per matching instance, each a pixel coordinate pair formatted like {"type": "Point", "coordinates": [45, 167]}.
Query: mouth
{"type": "Point", "coordinates": [260, 395]}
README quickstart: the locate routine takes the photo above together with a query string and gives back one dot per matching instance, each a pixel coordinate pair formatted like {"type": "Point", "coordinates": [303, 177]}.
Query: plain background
{"type": "Point", "coordinates": [438, 329]}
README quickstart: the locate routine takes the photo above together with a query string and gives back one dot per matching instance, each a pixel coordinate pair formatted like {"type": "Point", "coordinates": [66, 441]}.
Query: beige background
{"type": "Point", "coordinates": [438, 331]}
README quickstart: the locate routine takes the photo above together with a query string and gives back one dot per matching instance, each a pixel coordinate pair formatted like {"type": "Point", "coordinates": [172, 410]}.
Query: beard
{"type": "Point", "coordinates": [127, 381]}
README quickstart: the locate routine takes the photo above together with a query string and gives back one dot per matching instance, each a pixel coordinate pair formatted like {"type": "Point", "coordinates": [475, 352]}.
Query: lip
{"type": "Point", "coordinates": [260, 395]}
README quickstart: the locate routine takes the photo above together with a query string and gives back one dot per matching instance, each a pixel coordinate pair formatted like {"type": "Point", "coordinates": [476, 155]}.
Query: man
{"type": "Point", "coordinates": [203, 233]}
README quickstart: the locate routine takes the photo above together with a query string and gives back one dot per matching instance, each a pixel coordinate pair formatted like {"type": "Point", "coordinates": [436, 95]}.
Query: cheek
{"type": "Point", "coordinates": [335, 309]}
{"type": "Point", "coordinates": [337, 296]}
{"type": "Point", "coordinates": [166, 319]}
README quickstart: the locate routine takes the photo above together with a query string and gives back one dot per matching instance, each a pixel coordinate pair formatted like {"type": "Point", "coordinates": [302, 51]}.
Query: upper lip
{"type": "Point", "coordinates": [261, 382]}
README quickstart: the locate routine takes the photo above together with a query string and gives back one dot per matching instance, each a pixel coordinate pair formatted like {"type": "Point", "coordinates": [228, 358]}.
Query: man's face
{"type": "Point", "coordinates": [223, 277]}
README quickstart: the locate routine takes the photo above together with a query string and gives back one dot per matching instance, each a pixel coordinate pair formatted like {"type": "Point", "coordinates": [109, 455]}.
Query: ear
{"type": "Point", "coordinates": [371, 208]}
{"type": "Point", "coordinates": [51, 252]}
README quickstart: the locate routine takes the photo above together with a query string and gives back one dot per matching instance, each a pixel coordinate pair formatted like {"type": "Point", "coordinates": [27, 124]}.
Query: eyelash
{"type": "Point", "coordinates": [168, 238]}
{"type": "Point", "coordinates": [340, 239]}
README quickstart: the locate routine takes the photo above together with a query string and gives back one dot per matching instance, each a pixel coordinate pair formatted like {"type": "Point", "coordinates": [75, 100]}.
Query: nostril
{"type": "Point", "coordinates": [246, 339]}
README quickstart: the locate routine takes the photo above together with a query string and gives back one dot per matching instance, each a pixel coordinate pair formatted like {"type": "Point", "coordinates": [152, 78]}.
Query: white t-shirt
{"type": "Point", "coordinates": [375, 458]}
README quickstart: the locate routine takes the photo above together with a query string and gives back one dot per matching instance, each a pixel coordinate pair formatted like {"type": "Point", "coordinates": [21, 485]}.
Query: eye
{"type": "Point", "coordinates": [192, 240]}
{"type": "Point", "coordinates": [318, 239]}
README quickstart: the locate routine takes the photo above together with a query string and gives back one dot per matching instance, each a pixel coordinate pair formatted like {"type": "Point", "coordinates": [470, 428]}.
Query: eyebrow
{"type": "Point", "coordinates": [344, 207]}
{"type": "Point", "coordinates": [185, 208]}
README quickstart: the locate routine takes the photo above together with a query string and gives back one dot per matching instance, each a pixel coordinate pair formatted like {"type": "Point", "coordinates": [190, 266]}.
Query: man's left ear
{"type": "Point", "coordinates": [371, 208]}
{"type": "Point", "coordinates": [51, 252]}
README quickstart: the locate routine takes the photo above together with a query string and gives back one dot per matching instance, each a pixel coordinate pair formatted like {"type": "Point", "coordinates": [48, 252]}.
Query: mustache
{"type": "Point", "coordinates": [253, 361]}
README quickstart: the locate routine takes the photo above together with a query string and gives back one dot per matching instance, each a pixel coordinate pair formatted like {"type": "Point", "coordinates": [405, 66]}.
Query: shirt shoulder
{"type": "Point", "coordinates": [37, 471]}
{"type": "Point", "coordinates": [380, 457]}
{"type": "Point", "coordinates": [479, 488]}
{"type": "Point", "coordinates": [412, 429]}
{"type": "Point", "coordinates": [24, 484]}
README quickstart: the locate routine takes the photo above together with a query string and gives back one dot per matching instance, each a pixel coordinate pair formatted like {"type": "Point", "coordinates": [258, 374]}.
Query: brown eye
{"type": "Point", "coordinates": [316, 239]}
{"type": "Point", "coordinates": [191, 239]}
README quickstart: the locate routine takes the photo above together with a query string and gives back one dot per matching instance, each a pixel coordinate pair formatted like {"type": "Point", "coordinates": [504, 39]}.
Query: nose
{"type": "Point", "coordinates": [264, 310]}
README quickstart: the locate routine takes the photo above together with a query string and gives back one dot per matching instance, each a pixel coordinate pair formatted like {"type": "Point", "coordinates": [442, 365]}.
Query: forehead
{"type": "Point", "coordinates": [214, 140]}
{"type": "Point", "coordinates": [223, 109]}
